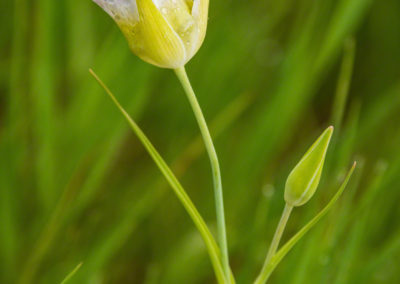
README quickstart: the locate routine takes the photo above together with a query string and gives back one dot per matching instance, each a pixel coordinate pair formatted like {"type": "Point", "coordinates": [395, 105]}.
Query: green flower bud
{"type": "Point", "coordinates": [304, 178]}
{"type": "Point", "coordinates": [165, 33]}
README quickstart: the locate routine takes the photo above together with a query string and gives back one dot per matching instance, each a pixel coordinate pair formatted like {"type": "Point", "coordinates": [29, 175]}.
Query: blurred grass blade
{"type": "Point", "coordinates": [9, 236]}
{"type": "Point", "coordinates": [379, 112]}
{"type": "Point", "coordinates": [71, 274]}
{"type": "Point", "coordinates": [48, 234]}
{"type": "Point", "coordinates": [276, 259]}
{"type": "Point", "coordinates": [346, 17]}
{"type": "Point", "coordinates": [212, 247]}
{"type": "Point", "coordinates": [13, 141]}
{"type": "Point", "coordinates": [44, 108]}
{"type": "Point", "coordinates": [382, 257]}
{"type": "Point", "coordinates": [343, 85]}
{"type": "Point", "coordinates": [355, 236]}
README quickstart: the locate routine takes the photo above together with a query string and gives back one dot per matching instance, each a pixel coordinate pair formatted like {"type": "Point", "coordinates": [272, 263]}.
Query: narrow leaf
{"type": "Point", "coordinates": [71, 274]}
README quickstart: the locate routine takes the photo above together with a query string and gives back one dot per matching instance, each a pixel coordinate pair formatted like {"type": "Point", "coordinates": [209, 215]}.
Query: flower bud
{"type": "Point", "coordinates": [304, 178]}
{"type": "Point", "coordinates": [165, 33]}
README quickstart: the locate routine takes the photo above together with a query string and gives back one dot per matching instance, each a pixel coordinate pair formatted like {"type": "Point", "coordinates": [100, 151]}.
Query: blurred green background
{"type": "Point", "coordinates": [77, 186]}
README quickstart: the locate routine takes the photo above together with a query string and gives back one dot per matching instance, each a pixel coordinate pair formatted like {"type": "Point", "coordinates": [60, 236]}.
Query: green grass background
{"type": "Point", "coordinates": [77, 186]}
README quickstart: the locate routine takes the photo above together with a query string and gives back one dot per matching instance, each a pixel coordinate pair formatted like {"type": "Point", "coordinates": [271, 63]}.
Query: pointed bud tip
{"type": "Point", "coordinates": [330, 130]}
{"type": "Point", "coordinates": [328, 133]}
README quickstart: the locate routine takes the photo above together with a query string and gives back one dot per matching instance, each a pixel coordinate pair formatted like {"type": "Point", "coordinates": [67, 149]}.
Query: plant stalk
{"type": "Point", "coordinates": [276, 240]}
{"type": "Point", "coordinates": [216, 172]}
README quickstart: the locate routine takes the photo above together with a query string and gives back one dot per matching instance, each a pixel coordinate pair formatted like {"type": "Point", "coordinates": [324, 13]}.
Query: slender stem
{"type": "Point", "coordinates": [275, 241]}
{"type": "Point", "coordinates": [279, 232]}
{"type": "Point", "coordinates": [219, 200]}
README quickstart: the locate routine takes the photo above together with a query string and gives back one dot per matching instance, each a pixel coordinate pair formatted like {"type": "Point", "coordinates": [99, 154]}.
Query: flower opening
{"type": "Point", "coordinates": [165, 33]}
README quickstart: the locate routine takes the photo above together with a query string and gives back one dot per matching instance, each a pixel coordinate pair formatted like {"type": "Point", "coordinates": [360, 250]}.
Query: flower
{"type": "Point", "coordinates": [304, 178]}
{"type": "Point", "coordinates": [165, 33]}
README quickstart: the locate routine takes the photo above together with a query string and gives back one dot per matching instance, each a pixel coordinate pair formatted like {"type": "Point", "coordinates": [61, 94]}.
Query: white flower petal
{"type": "Point", "coordinates": [120, 9]}
{"type": "Point", "coordinates": [200, 15]}
{"type": "Point", "coordinates": [166, 33]}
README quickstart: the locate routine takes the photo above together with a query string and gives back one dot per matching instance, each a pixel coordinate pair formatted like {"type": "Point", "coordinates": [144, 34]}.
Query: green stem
{"type": "Point", "coordinates": [275, 241]}
{"type": "Point", "coordinates": [219, 200]}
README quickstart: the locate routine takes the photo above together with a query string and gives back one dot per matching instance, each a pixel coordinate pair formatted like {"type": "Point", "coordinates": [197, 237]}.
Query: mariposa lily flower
{"type": "Point", "coordinates": [165, 33]}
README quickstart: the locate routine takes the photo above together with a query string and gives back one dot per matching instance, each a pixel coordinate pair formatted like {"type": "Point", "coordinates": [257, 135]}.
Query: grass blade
{"type": "Point", "coordinates": [71, 274]}
{"type": "Point", "coordinates": [343, 85]}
